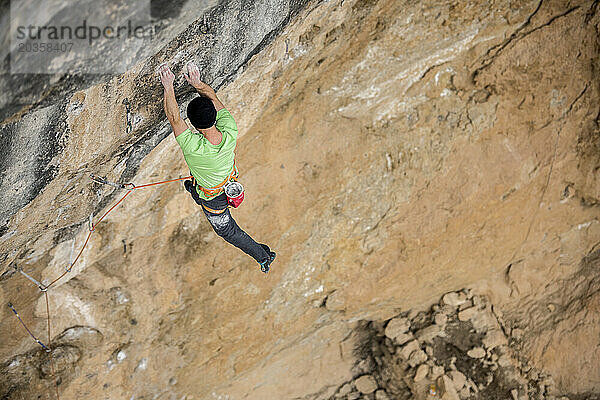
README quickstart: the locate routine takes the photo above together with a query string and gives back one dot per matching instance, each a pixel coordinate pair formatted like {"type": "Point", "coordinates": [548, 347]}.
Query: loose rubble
{"type": "Point", "coordinates": [456, 350]}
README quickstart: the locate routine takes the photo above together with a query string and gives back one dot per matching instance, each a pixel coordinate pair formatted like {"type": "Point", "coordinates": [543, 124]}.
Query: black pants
{"type": "Point", "coordinates": [225, 226]}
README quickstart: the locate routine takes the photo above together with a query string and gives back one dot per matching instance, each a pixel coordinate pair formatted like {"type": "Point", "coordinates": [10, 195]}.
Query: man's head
{"type": "Point", "coordinates": [201, 112]}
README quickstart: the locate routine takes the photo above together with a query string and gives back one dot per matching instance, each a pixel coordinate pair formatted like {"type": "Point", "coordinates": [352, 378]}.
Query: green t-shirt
{"type": "Point", "coordinates": [210, 163]}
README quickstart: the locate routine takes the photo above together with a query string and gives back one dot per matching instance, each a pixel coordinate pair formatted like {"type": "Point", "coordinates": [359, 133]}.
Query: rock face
{"type": "Point", "coordinates": [393, 153]}
{"type": "Point", "coordinates": [33, 147]}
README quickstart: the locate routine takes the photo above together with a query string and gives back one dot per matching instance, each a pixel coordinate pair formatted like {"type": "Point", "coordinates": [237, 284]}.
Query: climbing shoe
{"type": "Point", "coordinates": [189, 185]}
{"type": "Point", "coordinates": [264, 266]}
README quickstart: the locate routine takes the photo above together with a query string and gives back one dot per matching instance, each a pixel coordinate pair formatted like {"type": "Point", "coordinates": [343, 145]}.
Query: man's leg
{"type": "Point", "coordinates": [225, 226]}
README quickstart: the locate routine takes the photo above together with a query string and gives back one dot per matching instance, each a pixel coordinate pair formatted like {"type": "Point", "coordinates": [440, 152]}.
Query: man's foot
{"type": "Point", "coordinates": [189, 185]}
{"type": "Point", "coordinates": [264, 266]}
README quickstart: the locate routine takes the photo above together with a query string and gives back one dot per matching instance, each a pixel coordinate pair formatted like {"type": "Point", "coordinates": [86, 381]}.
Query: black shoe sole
{"type": "Point", "coordinates": [266, 268]}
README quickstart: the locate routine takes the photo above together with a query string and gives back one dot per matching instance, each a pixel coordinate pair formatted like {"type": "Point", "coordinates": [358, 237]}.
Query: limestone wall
{"type": "Point", "coordinates": [392, 152]}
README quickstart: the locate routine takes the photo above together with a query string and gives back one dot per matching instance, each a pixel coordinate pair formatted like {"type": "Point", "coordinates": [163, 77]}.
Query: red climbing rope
{"type": "Point", "coordinates": [93, 227]}
{"type": "Point", "coordinates": [44, 288]}
{"type": "Point", "coordinates": [160, 183]}
{"type": "Point", "coordinates": [87, 239]}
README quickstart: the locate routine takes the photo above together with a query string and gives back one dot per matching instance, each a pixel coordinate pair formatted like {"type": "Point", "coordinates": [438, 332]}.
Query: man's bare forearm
{"type": "Point", "coordinates": [206, 91]}
{"type": "Point", "coordinates": [171, 107]}
{"type": "Point", "coordinates": [193, 78]}
{"type": "Point", "coordinates": [172, 112]}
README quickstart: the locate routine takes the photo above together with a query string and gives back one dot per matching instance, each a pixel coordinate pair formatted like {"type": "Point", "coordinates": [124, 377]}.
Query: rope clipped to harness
{"type": "Point", "coordinates": [232, 188]}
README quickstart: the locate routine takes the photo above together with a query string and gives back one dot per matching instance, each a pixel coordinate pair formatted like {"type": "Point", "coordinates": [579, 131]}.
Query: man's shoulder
{"type": "Point", "coordinates": [226, 123]}
{"type": "Point", "coordinates": [190, 142]}
{"type": "Point", "coordinates": [224, 113]}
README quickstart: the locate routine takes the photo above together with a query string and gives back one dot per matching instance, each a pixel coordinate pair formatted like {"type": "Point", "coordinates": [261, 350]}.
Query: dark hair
{"type": "Point", "coordinates": [201, 112]}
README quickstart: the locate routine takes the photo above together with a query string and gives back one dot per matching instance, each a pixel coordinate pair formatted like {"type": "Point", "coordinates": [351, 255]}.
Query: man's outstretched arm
{"type": "Point", "coordinates": [171, 108]}
{"type": "Point", "coordinates": [193, 78]}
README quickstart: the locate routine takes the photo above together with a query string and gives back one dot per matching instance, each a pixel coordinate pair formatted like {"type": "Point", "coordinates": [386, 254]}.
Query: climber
{"type": "Point", "coordinates": [210, 157]}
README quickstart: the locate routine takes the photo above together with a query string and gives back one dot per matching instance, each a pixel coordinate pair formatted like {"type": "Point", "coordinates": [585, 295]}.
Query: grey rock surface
{"type": "Point", "coordinates": [30, 146]}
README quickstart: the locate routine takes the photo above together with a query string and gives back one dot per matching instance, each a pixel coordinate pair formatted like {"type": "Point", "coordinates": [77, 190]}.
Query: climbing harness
{"type": "Point", "coordinates": [216, 190]}
{"type": "Point", "coordinates": [232, 188]}
{"type": "Point", "coordinates": [212, 210]}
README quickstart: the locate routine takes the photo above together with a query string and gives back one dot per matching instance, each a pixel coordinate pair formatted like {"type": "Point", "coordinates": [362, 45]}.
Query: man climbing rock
{"type": "Point", "coordinates": [210, 157]}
